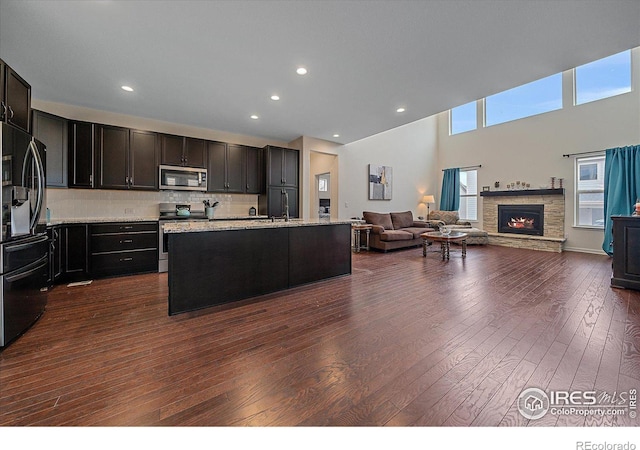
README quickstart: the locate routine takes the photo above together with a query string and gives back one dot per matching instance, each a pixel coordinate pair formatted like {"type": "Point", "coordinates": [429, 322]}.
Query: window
{"type": "Point", "coordinates": [322, 184]}
{"type": "Point", "coordinates": [468, 195]}
{"type": "Point", "coordinates": [527, 100]}
{"type": "Point", "coordinates": [603, 78]}
{"type": "Point", "coordinates": [590, 192]}
{"type": "Point", "coordinates": [463, 118]}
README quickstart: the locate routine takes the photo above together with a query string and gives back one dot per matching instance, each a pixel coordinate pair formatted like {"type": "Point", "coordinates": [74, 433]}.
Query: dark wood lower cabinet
{"type": "Point", "coordinates": [74, 240]}
{"type": "Point", "coordinates": [124, 248]}
{"type": "Point", "coordinates": [626, 252]}
{"type": "Point", "coordinates": [215, 267]}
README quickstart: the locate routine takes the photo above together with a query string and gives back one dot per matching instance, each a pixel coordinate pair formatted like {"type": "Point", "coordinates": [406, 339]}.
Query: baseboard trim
{"type": "Point", "coordinates": [585, 250]}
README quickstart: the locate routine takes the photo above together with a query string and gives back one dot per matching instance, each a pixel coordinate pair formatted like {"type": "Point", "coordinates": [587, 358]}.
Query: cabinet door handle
{"type": "Point", "coordinates": [11, 111]}
{"type": "Point", "coordinates": [126, 180]}
{"type": "Point", "coordinates": [3, 113]}
{"type": "Point", "coordinates": [126, 259]}
{"type": "Point", "coordinates": [126, 241]}
{"type": "Point", "coordinates": [126, 227]}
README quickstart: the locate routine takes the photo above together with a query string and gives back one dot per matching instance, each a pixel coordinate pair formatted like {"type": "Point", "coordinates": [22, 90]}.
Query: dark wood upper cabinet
{"type": "Point", "coordinates": [235, 166]}
{"type": "Point", "coordinates": [172, 150]}
{"type": "Point", "coordinates": [16, 104]}
{"type": "Point", "coordinates": [216, 167]}
{"type": "Point", "coordinates": [3, 103]}
{"type": "Point", "coordinates": [143, 160]}
{"type": "Point", "coordinates": [254, 176]}
{"type": "Point", "coordinates": [195, 153]}
{"type": "Point", "coordinates": [112, 149]}
{"type": "Point", "coordinates": [183, 151]}
{"type": "Point", "coordinates": [52, 131]}
{"type": "Point", "coordinates": [81, 156]}
{"type": "Point", "coordinates": [127, 159]}
{"type": "Point", "coordinates": [282, 166]}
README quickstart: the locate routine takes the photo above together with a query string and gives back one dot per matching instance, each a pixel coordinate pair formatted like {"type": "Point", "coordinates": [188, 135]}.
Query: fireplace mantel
{"type": "Point", "coordinates": [522, 192]}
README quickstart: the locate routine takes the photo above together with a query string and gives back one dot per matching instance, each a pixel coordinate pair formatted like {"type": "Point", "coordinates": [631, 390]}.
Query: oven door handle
{"type": "Point", "coordinates": [27, 270]}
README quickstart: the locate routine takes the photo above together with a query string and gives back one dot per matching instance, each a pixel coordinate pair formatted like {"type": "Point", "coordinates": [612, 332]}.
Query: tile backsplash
{"type": "Point", "coordinates": [96, 203]}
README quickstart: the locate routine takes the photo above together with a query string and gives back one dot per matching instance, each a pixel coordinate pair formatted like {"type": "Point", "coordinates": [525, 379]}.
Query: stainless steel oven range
{"type": "Point", "coordinates": [171, 213]}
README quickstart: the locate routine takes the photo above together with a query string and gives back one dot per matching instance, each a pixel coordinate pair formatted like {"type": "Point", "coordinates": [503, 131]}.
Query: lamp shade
{"type": "Point", "coordinates": [428, 199]}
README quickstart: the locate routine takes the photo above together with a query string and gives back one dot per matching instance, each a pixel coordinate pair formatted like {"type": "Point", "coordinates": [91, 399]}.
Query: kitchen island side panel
{"type": "Point", "coordinates": [317, 253]}
{"type": "Point", "coordinates": [211, 268]}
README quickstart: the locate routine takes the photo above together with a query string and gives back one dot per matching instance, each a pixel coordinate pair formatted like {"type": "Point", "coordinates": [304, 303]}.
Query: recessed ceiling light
{"type": "Point", "coordinates": [301, 71]}
{"type": "Point", "coordinates": [336, 135]}
{"type": "Point", "coordinates": [275, 97]}
{"type": "Point", "coordinates": [254, 117]}
{"type": "Point", "coordinates": [127, 88]}
{"type": "Point", "coordinates": [400, 110]}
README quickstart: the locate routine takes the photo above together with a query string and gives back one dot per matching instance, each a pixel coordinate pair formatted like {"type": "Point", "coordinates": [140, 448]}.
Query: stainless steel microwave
{"type": "Point", "coordinates": [183, 178]}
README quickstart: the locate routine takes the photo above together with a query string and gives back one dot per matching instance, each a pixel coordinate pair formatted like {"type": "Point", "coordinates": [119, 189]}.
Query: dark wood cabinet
{"type": "Point", "coordinates": [626, 252]}
{"type": "Point", "coordinates": [127, 159]}
{"type": "Point", "coordinates": [282, 173]}
{"type": "Point", "coordinates": [276, 201]}
{"type": "Point", "coordinates": [74, 242]}
{"type": "Point", "coordinates": [52, 131]}
{"type": "Point", "coordinates": [226, 167]}
{"type": "Point", "coordinates": [195, 152]}
{"type": "Point", "coordinates": [183, 151]}
{"type": "Point", "coordinates": [55, 253]}
{"type": "Point", "coordinates": [3, 103]}
{"type": "Point", "coordinates": [16, 101]}
{"type": "Point", "coordinates": [124, 248]}
{"type": "Point", "coordinates": [254, 176]}
{"type": "Point", "coordinates": [143, 160]}
{"type": "Point", "coordinates": [81, 154]}
{"type": "Point", "coordinates": [282, 166]}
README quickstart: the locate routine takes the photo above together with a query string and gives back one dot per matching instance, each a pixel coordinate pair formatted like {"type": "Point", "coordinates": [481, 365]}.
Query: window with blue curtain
{"type": "Point", "coordinates": [450, 196]}
{"type": "Point", "coordinates": [621, 187]}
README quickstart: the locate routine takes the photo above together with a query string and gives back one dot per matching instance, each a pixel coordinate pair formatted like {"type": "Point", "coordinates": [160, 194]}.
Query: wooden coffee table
{"type": "Point", "coordinates": [445, 242]}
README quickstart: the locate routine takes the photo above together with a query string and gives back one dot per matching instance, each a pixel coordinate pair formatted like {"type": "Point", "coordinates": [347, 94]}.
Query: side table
{"type": "Point", "coordinates": [357, 230]}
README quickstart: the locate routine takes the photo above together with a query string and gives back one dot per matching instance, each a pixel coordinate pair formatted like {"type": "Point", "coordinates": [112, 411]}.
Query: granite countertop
{"type": "Point", "coordinates": [227, 225]}
{"type": "Point", "coordinates": [75, 220]}
{"type": "Point", "coordinates": [101, 220]}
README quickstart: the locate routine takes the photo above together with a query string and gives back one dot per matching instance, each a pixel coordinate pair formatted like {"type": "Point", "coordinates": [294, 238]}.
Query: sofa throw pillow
{"type": "Point", "coordinates": [448, 217]}
{"type": "Point", "coordinates": [382, 219]}
{"type": "Point", "coordinates": [402, 219]}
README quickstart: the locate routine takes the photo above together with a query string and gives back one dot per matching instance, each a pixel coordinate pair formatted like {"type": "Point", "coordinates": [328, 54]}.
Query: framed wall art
{"type": "Point", "coordinates": [380, 182]}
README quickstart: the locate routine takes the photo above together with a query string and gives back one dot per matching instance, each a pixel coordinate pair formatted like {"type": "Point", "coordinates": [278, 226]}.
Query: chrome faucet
{"type": "Point", "coordinates": [286, 205]}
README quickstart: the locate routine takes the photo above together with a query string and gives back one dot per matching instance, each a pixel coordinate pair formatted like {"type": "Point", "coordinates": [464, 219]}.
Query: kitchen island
{"type": "Point", "coordinates": [217, 262]}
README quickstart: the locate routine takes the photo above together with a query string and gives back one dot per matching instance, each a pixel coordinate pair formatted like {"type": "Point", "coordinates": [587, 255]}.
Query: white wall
{"type": "Point", "coordinates": [411, 150]}
{"type": "Point", "coordinates": [531, 149]}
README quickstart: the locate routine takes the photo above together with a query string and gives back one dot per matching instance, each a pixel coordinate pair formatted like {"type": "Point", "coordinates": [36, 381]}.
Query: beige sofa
{"type": "Point", "coordinates": [394, 230]}
{"type": "Point", "coordinates": [451, 220]}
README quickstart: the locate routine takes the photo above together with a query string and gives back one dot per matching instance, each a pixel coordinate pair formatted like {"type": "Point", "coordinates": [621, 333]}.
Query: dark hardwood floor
{"type": "Point", "coordinates": [402, 341]}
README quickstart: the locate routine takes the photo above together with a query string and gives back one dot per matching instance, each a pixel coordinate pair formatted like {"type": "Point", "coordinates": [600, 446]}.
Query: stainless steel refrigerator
{"type": "Point", "coordinates": [24, 245]}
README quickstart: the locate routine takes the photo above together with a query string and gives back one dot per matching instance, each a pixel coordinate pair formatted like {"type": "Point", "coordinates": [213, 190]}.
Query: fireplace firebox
{"type": "Point", "coordinates": [521, 219]}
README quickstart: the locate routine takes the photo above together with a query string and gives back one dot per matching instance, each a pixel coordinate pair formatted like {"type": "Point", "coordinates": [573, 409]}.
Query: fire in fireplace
{"type": "Point", "coordinates": [521, 219]}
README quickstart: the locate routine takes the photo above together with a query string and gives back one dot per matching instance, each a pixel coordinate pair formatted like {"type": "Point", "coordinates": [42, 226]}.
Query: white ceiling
{"type": "Point", "coordinates": [212, 64]}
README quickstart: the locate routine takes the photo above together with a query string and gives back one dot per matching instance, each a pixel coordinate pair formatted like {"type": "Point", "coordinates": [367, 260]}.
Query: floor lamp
{"type": "Point", "coordinates": [428, 199]}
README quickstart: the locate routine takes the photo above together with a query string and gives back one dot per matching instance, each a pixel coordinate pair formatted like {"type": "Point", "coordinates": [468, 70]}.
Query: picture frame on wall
{"type": "Point", "coordinates": [380, 182]}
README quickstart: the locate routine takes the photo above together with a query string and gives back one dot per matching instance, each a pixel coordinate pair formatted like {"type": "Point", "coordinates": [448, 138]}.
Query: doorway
{"type": "Point", "coordinates": [323, 194]}
{"type": "Point", "coordinates": [323, 188]}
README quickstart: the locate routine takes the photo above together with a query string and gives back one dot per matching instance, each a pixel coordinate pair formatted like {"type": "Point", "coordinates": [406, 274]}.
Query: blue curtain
{"type": "Point", "coordinates": [621, 186]}
{"type": "Point", "coordinates": [450, 197]}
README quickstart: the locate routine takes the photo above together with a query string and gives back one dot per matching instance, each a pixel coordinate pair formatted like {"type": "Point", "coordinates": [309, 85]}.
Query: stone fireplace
{"type": "Point", "coordinates": [521, 219]}
{"type": "Point", "coordinates": [527, 218]}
